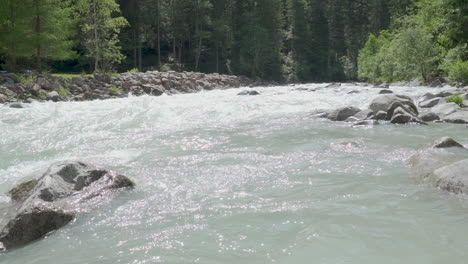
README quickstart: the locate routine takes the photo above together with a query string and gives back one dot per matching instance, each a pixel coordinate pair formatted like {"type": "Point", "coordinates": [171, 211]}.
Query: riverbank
{"type": "Point", "coordinates": [23, 88]}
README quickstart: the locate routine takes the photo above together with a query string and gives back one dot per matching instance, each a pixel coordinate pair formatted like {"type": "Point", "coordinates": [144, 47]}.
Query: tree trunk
{"type": "Point", "coordinates": [96, 38]}
{"type": "Point", "coordinates": [37, 30]}
{"type": "Point", "coordinates": [159, 33]}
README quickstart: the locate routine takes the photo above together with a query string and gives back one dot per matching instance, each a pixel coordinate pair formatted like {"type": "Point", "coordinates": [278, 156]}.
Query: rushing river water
{"type": "Point", "coordinates": [239, 179]}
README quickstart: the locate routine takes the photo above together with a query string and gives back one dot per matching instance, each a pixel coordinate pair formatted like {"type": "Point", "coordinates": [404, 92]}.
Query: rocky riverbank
{"type": "Point", "coordinates": [16, 89]}
{"type": "Point", "coordinates": [403, 109]}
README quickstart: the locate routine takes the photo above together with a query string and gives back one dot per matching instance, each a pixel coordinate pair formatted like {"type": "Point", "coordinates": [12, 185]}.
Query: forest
{"type": "Point", "coordinates": [281, 40]}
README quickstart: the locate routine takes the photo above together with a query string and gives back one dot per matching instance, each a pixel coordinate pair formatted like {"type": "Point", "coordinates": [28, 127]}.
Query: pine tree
{"type": "Point", "coordinates": [14, 25]}
{"type": "Point", "coordinates": [52, 30]}
{"type": "Point", "coordinates": [101, 24]}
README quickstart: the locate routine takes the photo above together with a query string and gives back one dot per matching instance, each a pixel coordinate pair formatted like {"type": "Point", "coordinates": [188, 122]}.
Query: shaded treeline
{"type": "Point", "coordinates": [304, 40]}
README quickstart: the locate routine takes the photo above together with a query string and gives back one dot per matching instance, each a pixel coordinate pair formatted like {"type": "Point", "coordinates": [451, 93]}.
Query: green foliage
{"type": "Point", "coordinates": [114, 90]}
{"type": "Point", "coordinates": [100, 25]}
{"type": "Point", "coordinates": [43, 95]}
{"type": "Point", "coordinates": [133, 70]}
{"type": "Point", "coordinates": [62, 92]}
{"type": "Point", "coordinates": [430, 42]}
{"type": "Point", "coordinates": [458, 72]}
{"type": "Point", "coordinates": [25, 79]}
{"type": "Point", "coordinates": [70, 76]}
{"type": "Point", "coordinates": [455, 99]}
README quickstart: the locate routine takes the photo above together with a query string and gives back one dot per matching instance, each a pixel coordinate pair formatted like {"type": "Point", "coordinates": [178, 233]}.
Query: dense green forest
{"type": "Point", "coordinates": [283, 40]}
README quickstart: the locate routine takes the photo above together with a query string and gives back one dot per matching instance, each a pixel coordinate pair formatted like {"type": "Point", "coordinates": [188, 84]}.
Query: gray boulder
{"type": "Point", "coordinates": [383, 102]}
{"type": "Point", "coordinates": [342, 114]}
{"type": "Point", "coordinates": [364, 114]}
{"type": "Point", "coordinates": [445, 109]}
{"type": "Point", "coordinates": [50, 202]}
{"type": "Point", "coordinates": [429, 117]}
{"type": "Point", "coordinates": [459, 117]}
{"type": "Point", "coordinates": [430, 103]}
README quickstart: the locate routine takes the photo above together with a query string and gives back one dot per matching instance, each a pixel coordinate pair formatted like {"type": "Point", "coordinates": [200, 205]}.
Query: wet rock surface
{"type": "Point", "coordinates": [444, 164]}
{"type": "Point", "coordinates": [43, 205]}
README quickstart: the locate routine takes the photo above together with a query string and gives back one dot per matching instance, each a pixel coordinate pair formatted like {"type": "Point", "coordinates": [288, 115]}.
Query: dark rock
{"type": "Point", "coordinates": [16, 105]}
{"type": "Point", "coordinates": [401, 119]}
{"type": "Point", "coordinates": [429, 117]}
{"type": "Point", "coordinates": [253, 92]}
{"type": "Point", "coordinates": [32, 224]}
{"type": "Point", "coordinates": [342, 114]}
{"type": "Point", "coordinates": [430, 103]}
{"type": "Point", "coordinates": [402, 110]}
{"type": "Point", "coordinates": [446, 142]}
{"type": "Point", "coordinates": [43, 205]}
{"type": "Point", "coordinates": [386, 91]}
{"type": "Point", "coordinates": [381, 115]}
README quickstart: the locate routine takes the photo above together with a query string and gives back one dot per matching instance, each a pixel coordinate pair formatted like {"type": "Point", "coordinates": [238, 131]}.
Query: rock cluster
{"type": "Point", "coordinates": [436, 108]}
{"type": "Point", "coordinates": [43, 205]}
{"type": "Point", "coordinates": [102, 86]}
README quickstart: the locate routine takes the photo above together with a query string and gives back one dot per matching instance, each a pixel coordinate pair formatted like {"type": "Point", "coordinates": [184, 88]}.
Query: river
{"type": "Point", "coordinates": [223, 178]}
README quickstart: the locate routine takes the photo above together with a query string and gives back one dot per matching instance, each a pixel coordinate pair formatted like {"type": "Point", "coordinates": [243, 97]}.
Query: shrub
{"type": "Point", "coordinates": [25, 79]}
{"type": "Point", "coordinates": [455, 99]}
{"type": "Point", "coordinates": [114, 90]}
{"type": "Point", "coordinates": [62, 92]}
{"type": "Point", "coordinates": [133, 70]}
{"type": "Point", "coordinates": [458, 72]}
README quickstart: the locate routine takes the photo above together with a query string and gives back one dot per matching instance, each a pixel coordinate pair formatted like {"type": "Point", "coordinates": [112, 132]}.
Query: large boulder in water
{"type": "Point", "coordinates": [342, 114]}
{"type": "Point", "coordinates": [50, 202]}
{"type": "Point", "coordinates": [384, 102]}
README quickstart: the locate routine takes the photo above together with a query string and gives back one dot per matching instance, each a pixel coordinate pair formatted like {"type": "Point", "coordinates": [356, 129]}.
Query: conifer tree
{"type": "Point", "coordinates": [101, 24]}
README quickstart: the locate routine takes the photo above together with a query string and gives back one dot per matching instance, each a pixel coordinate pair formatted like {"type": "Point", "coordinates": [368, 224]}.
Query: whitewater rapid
{"type": "Point", "coordinates": [223, 178]}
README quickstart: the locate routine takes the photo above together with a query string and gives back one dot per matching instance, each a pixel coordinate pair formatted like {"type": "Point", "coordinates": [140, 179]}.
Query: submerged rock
{"type": "Point", "coordinates": [429, 117]}
{"type": "Point", "coordinates": [386, 91]}
{"type": "Point", "coordinates": [444, 164]}
{"type": "Point", "coordinates": [249, 93]}
{"type": "Point", "coordinates": [344, 113]}
{"type": "Point", "coordinates": [453, 178]}
{"type": "Point", "coordinates": [446, 142]}
{"type": "Point", "coordinates": [50, 202]}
